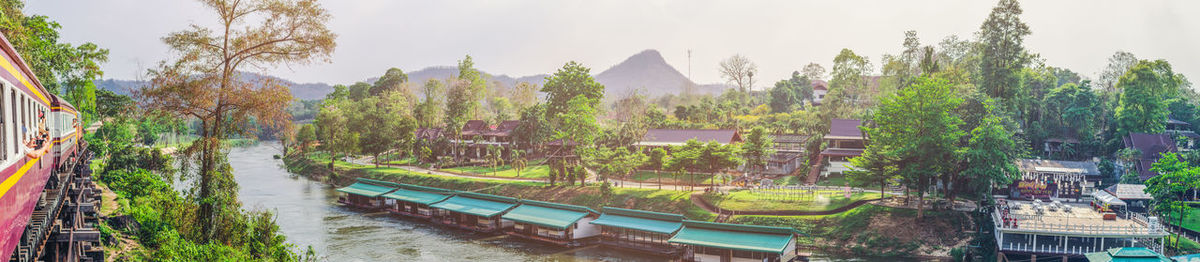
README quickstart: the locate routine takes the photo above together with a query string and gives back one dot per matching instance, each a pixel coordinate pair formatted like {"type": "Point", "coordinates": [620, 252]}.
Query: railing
{"type": "Point", "coordinates": [1032, 223]}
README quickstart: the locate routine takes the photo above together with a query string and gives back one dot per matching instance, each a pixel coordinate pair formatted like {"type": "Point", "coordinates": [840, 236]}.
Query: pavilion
{"type": "Point", "coordinates": [1127, 254]}
{"type": "Point", "coordinates": [474, 211]}
{"type": "Point", "coordinates": [554, 223]}
{"type": "Point", "coordinates": [365, 193]}
{"type": "Point", "coordinates": [707, 241]}
{"type": "Point", "coordinates": [639, 230]}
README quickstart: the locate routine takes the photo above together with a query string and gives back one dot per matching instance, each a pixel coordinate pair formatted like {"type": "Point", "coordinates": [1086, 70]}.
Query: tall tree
{"type": "Point", "coordinates": [1002, 36]}
{"type": "Point", "coordinates": [62, 68]}
{"type": "Point", "coordinates": [203, 82]}
{"type": "Point", "coordinates": [757, 149]}
{"type": "Point", "coordinates": [790, 93]}
{"type": "Point", "coordinates": [849, 90]}
{"type": "Point", "coordinates": [1145, 89]}
{"type": "Point", "coordinates": [429, 111]}
{"type": "Point", "coordinates": [989, 157]}
{"type": "Point", "coordinates": [917, 129]}
{"type": "Point", "coordinates": [814, 71]}
{"type": "Point", "coordinates": [1118, 64]}
{"type": "Point", "coordinates": [739, 71]}
{"type": "Point", "coordinates": [476, 86]}
{"type": "Point", "coordinates": [572, 80]}
{"type": "Point", "coordinates": [1171, 187]}
{"type": "Point", "coordinates": [524, 95]}
{"type": "Point", "coordinates": [392, 81]}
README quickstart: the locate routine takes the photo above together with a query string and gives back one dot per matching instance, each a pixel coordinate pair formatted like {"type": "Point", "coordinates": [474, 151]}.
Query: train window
{"type": "Point", "coordinates": [15, 136]}
{"type": "Point", "coordinates": [3, 144]}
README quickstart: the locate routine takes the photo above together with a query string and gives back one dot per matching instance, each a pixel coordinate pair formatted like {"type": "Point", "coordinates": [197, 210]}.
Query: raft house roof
{"type": "Point", "coordinates": [765, 239]}
{"type": "Point", "coordinates": [1127, 254]}
{"type": "Point", "coordinates": [369, 187]}
{"type": "Point", "coordinates": [419, 194]}
{"type": "Point", "coordinates": [477, 204]}
{"type": "Point", "coordinates": [655, 222]}
{"type": "Point", "coordinates": [547, 214]}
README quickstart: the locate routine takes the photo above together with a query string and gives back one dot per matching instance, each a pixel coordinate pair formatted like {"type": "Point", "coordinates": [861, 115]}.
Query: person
{"type": "Point", "coordinates": [38, 143]}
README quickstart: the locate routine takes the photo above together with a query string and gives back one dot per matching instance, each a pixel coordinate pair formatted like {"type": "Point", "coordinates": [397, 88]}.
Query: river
{"type": "Point", "coordinates": [309, 216]}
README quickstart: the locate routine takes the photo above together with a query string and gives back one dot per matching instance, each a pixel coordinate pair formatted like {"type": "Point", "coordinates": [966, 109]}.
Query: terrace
{"type": "Point", "coordinates": [1035, 227]}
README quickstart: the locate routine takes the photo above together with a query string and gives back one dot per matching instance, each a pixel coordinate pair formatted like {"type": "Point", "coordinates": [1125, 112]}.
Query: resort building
{"type": "Point", "coordinates": [789, 155]}
{"type": "Point", "coordinates": [1151, 147]}
{"type": "Point", "coordinates": [1183, 130]}
{"type": "Point", "coordinates": [414, 201]}
{"type": "Point", "coordinates": [844, 141]}
{"type": "Point", "coordinates": [559, 224]}
{"type": "Point", "coordinates": [1028, 229]}
{"type": "Point", "coordinates": [706, 241]}
{"type": "Point", "coordinates": [474, 211]}
{"type": "Point", "coordinates": [639, 230]}
{"type": "Point", "coordinates": [1046, 179]}
{"type": "Point", "coordinates": [666, 138]}
{"type": "Point", "coordinates": [365, 193]}
{"type": "Point", "coordinates": [820, 89]}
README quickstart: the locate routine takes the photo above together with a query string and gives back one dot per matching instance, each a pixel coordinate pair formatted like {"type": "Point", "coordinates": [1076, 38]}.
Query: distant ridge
{"type": "Point", "coordinates": [646, 72]}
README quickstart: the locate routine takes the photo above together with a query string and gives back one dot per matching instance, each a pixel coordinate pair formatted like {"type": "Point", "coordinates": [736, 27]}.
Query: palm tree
{"type": "Point", "coordinates": [518, 161]}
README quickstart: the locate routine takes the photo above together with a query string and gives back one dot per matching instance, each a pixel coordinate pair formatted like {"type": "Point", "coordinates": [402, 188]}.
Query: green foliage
{"type": "Point", "coordinates": [990, 154]}
{"type": "Point", "coordinates": [1003, 57]}
{"type": "Point", "coordinates": [392, 81]}
{"type": "Point", "coordinates": [758, 148]}
{"type": "Point", "coordinates": [1143, 103]}
{"type": "Point", "coordinates": [62, 68]}
{"type": "Point", "coordinates": [571, 81]}
{"type": "Point", "coordinates": [916, 131]}
{"type": "Point", "coordinates": [790, 93]}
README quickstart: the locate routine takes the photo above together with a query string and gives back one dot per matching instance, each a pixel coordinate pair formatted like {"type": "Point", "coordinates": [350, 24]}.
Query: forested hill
{"type": "Point", "coordinates": [302, 91]}
{"type": "Point", "coordinates": [647, 72]}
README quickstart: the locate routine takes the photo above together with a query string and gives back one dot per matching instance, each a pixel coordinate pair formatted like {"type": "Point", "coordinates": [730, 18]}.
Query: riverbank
{"type": "Point", "coordinates": [866, 230]}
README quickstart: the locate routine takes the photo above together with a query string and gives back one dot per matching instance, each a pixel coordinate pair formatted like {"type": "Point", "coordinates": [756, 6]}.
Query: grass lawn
{"type": "Point", "coordinates": [789, 181]}
{"type": "Point", "coordinates": [1191, 221]}
{"type": "Point", "coordinates": [1186, 246]}
{"type": "Point", "coordinates": [832, 180]}
{"type": "Point", "coordinates": [673, 178]}
{"type": "Point", "coordinates": [535, 169]}
{"type": "Point", "coordinates": [403, 162]}
{"type": "Point", "coordinates": [746, 200]}
{"type": "Point", "coordinates": [873, 231]}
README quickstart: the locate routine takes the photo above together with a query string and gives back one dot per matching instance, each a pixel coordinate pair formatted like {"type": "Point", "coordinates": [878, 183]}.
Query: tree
{"type": "Point", "coordinates": [989, 157]}
{"type": "Point", "coordinates": [872, 168]}
{"type": "Point", "coordinates": [790, 93]}
{"type": "Point", "coordinates": [658, 161]}
{"type": "Point", "coordinates": [848, 87]}
{"type": "Point", "coordinates": [717, 158]}
{"type": "Point", "coordinates": [917, 132]}
{"type": "Point", "coordinates": [1145, 89]}
{"type": "Point", "coordinates": [757, 149]}
{"type": "Point", "coordinates": [1118, 64]}
{"type": "Point", "coordinates": [518, 161]}
{"type": "Point", "coordinates": [306, 136]}
{"type": "Point", "coordinates": [569, 82]}
{"type": "Point", "coordinates": [1071, 111]}
{"type": "Point", "coordinates": [359, 91]}
{"type": "Point", "coordinates": [63, 69]}
{"type": "Point", "coordinates": [475, 85]}
{"type": "Point", "coordinates": [1003, 57]}
{"type": "Point", "coordinates": [384, 123]}
{"type": "Point", "coordinates": [392, 81]}
{"type": "Point", "coordinates": [109, 104]}
{"type": "Point", "coordinates": [1171, 187]}
{"type": "Point", "coordinates": [203, 82]}
{"type": "Point", "coordinates": [333, 128]}
{"type": "Point", "coordinates": [739, 71]}
{"type": "Point", "coordinates": [577, 124]}
{"type": "Point", "coordinates": [686, 158]}
{"type": "Point", "coordinates": [813, 71]}
{"type": "Point", "coordinates": [501, 109]}
{"type": "Point", "coordinates": [524, 95]}
{"type": "Point", "coordinates": [429, 111]}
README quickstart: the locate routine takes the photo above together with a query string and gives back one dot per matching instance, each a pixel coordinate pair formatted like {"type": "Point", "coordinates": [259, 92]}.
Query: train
{"type": "Point", "coordinates": [29, 115]}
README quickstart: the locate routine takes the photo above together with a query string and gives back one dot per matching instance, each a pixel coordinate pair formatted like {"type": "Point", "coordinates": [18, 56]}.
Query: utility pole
{"type": "Point", "coordinates": [689, 65]}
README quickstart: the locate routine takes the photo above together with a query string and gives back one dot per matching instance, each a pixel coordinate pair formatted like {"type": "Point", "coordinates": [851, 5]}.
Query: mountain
{"type": "Point", "coordinates": [646, 72]}
{"type": "Point", "coordinates": [302, 91]}
{"type": "Point", "coordinates": [649, 74]}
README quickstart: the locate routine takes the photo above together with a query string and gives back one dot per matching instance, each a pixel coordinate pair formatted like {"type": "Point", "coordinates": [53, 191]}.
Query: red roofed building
{"type": "Point", "coordinates": [844, 141]}
{"type": "Point", "coordinates": [820, 89]}
{"type": "Point", "coordinates": [1150, 146]}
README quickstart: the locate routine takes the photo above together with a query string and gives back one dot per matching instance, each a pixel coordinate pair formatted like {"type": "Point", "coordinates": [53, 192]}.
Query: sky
{"type": "Point", "coordinates": [520, 38]}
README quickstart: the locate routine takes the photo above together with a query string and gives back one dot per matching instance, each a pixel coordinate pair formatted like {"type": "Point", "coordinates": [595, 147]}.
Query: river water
{"type": "Point", "coordinates": [309, 216]}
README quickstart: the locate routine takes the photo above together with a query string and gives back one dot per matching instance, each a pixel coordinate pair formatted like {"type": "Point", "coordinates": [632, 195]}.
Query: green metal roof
{"type": "Point", "coordinates": [413, 196]}
{"type": "Point", "coordinates": [735, 237]}
{"type": "Point", "coordinates": [475, 206]}
{"type": "Point", "coordinates": [1127, 254]}
{"type": "Point", "coordinates": [554, 215]}
{"type": "Point", "coordinates": [368, 188]}
{"type": "Point", "coordinates": [662, 223]}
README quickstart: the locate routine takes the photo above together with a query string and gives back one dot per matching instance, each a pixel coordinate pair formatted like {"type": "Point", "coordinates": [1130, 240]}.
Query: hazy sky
{"type": "Point", "coordinates": [520, 38]}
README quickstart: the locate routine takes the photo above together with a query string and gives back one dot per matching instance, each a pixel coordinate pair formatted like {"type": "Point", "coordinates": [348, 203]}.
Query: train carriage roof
{"type": "Point", "coordinates": [16, 71]}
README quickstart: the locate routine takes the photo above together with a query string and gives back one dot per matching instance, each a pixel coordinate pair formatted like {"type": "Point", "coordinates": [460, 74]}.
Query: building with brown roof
{"type": "Point", "coordinates": [845, 141]}
{"type": "Point", "coordinates": [1151, 147]}
{"type": "Point", "coordinates": [676, 137]}
{"type": "Point", "coordinates": [1042, 179]}
{"type": "Point", "coordinates": [789, 154]}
